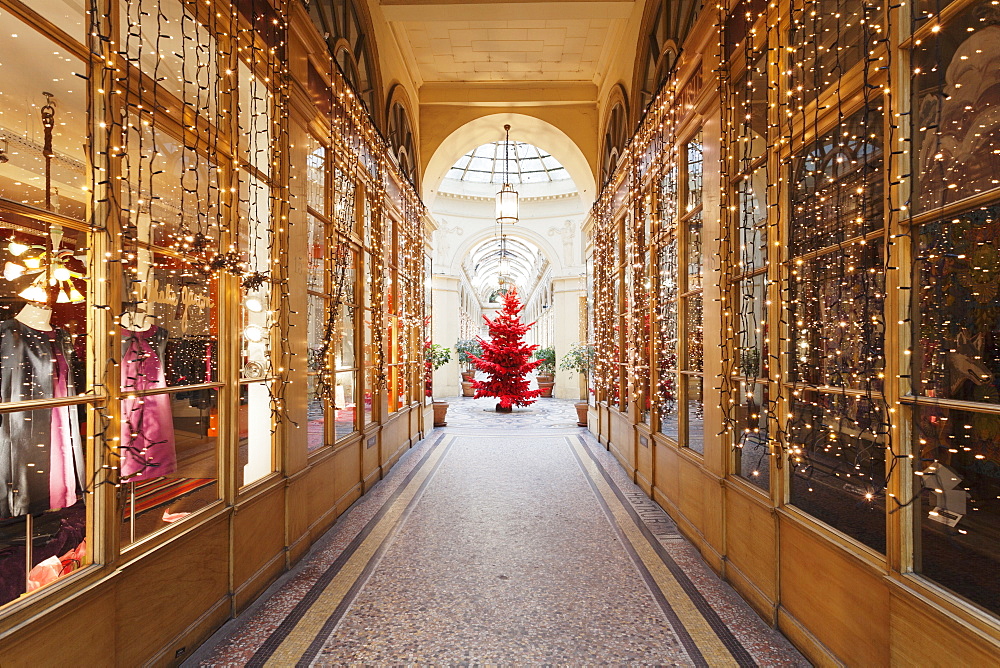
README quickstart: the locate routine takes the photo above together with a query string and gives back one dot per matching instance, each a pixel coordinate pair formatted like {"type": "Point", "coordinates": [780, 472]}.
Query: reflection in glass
{"type": "Point", "coordinates": [695, 334]}
{"type": "Point", "coordinates": [837, 445]}
{"type": "Point", "coordinates": [958, 510]}
{"type": "Point", "coordinates": [315, 415]}
{"type": "Point", "coordinates": [751, 342]}
{"type": "Point", "coordinates": [957, 325]}
{"type": "Point", "coordinates": [669, 403]}
{"type": "Point", "coordinates": [695, 177]}
{"type": "Point", "coordinates": [695, 437]}
{"type": "Point", "coordinates": [752, 448]}
{"type": "Point", "coordinates": [838, 328]}
{"type": "Point", "coordinates": [255, 121]}
{"type": "Point", "coordinates": [955, 134]}
{"type": "Point", "coordinates": [345, 407]}
{"type": "Point", "coordinates": [694, 259]}
{"type": "Point", "coordinates": [155, 500]}
{"type": "Point", "coordinates": [752, 220]}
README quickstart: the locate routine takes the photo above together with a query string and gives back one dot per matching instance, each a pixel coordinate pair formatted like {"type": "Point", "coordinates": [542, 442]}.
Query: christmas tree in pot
{"type": "Point", "coordinates": [506, 358]}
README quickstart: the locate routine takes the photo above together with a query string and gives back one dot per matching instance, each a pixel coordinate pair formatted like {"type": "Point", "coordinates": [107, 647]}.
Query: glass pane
{"type": "Point", "coordinates": [57, 541]}
{"type": "Point", "coordinates": [255, 121]}
{"type": "Point", "coordinates": [170, 322]}
{"type": "Point", "coordinates": [837, 184]}
{"type": "Point", "coordinates": [694, 335]}
{"type": "Point", "coordinates": [316, 240]}
{"type": "Point", "coordinates": [255, 458]}
{"type": "Point", "coordinates": [669, 398]}
{"type": "Point", "coordinates": [835, 308]}
{"type": "Point", "coordinates": [166, 40]}
{"type": "Point", "coordinates": [831, 40]}
{"type": "Point", "coordinates": [751, 99]}
{"type": "Point", "coordinates": [694, 259]}
{"type": "Point", "coordinates": [169, 459]}
{"type": "Point", "coordinates": [32, 64]}
{"type": "Point", "coordinates": [751, 340]}
{"type": "Point", "coordinates": [837, 446]}
{"type": "Point", "coordinates": [695, 164]}
{"type": "Point", "coordinates": [316, 326]}
{"type": "Point", "coordinates": [369, 395]}
{"type": "Point", "coordinates": [668, 197]}
{"type": "Point", "coordinates": [315, 414]}
{"type": "Point", "coordinates": [345, 404]}
{"type": "Point", "coordinates": [178, 213]}
{"type": "Point", "coordinates": [958, 511]}
{"type": "Point", "coordinates": [957, 325]}
{"type": "Point", "coordinates": [956, 145]}
{"type": "Point", "coordinates": [695, 413]}
{"type": "Point", "coordinates": [752, 450]}
{"type": "Point", "coordinates": [316, 176]}
{"type": "Point", "coordinates": [345, 348]}
{"type": "Point", "coordinates": [752, 221]}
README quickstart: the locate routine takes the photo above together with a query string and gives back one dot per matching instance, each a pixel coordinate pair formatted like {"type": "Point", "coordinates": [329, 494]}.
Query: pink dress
{"type": "Point", "coordinates": [147, 445]}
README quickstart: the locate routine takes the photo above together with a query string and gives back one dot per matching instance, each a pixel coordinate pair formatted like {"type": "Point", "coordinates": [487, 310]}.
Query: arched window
{"type": "Point", "coordinates": [665, 30]}
{"type": "Point", "coordinates": [614, 138]}
{"type": "Point", "coordinates": [400, 132]}
{"type": "Point", "coordinates": [346, 29]}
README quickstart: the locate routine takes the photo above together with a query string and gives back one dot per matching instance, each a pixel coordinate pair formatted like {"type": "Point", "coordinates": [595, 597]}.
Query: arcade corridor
{"type": "Point", "coordinates": [513, 539]}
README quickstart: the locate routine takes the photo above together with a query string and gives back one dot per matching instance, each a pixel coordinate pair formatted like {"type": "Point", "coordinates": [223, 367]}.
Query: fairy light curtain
{"type": "Point", "coordinates": [857, 257]}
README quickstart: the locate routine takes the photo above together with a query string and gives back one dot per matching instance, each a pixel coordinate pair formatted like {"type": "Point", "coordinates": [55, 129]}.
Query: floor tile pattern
{"type": "Point", "coordinates": [502, 538]}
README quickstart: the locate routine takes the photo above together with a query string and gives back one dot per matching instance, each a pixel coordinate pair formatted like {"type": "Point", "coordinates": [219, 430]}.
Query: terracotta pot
{"type": "Point", "coordinates": [440, 411]}
{"type": "Point", "coordinates": [546, 388]}
{"type": "Point", "coordinates": [545, 378]}
{"type": "Point", "coordinates": [468, 375]}
{"type": "Point", "coordinates": [467, 389]}
{"type": "Point", "coordinates": [581, 413]}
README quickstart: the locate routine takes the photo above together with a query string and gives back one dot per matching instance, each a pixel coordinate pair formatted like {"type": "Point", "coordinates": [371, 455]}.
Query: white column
{"type": "Point", "coordinates": [445, 307]}
{"type": "Point", "coordinates": [569, 329]}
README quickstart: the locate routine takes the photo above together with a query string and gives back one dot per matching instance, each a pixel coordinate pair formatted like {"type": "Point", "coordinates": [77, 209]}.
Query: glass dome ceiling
{"type": "Point", "coordinates": [526, 163]}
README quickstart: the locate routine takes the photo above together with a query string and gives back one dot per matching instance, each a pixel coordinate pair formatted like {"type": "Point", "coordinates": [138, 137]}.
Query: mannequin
{"type": "Point", "coordinates": [41, 453]}
{"type": "Point", "coordinates": [35, 316]}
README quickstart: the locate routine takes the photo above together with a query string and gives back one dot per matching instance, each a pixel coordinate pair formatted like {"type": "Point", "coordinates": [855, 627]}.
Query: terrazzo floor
{"type": "Point", "coordinates": [501, 539]}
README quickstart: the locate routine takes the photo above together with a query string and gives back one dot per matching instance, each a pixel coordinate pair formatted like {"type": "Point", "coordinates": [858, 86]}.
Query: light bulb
{"type": "Point", "coordinates": [33, 262]}
{"type": "Point", "coordinates": [253, 304]}
{"type": "Point", "coordinates": [253, 333]}
{"type": "Point", "coordinates": [13, 271]}
{"type": "Point", "coordinates": [75, 296]}
{"type": "Point", "coordinates": [61, 273]}
{"type": "Point", "coordinates": [16, 249]}
{"type": "Point", "coordinates": [34, 293]}
{"type": "Point", "coordinates": [62, 297]}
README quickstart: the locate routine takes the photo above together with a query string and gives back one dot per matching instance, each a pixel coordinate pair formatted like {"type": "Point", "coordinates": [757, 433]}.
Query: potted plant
{"type": "Point", "coordinates": [579, 359]}
{"type": "Point", "coordinates": [436, 357]}
{"type": "Point", "coordinates": [546, 370]}
{"type": "Point", "coordinates": [464, 348]}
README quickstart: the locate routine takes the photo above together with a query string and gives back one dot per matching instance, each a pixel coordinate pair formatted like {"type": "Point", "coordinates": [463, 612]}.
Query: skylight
{"type": "Point", "coordinates": [525, 163]}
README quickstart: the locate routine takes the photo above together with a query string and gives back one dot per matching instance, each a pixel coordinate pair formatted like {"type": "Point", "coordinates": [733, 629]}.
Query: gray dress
{"type": "Point", "coordinates": [26, 372]}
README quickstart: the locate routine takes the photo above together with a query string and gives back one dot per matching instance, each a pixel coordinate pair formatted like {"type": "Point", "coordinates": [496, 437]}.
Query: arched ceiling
{"type": "Point", "coordinates": [519, 262]}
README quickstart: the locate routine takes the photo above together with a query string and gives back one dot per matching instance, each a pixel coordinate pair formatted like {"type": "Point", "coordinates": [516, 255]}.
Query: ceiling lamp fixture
{"type": "Point", "coordinates": [507, 197]}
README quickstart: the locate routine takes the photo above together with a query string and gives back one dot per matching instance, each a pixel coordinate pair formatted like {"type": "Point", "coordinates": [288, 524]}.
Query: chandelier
{"type": "Point", "coordinates": [507, 197]}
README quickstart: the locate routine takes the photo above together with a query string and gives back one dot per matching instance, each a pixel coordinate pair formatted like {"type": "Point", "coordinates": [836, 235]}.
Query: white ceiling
{"type": "Point", "coordinates": [506, 41]}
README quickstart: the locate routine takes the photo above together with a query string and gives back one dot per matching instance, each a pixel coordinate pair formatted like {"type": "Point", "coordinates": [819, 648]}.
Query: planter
{"type": "Point", "coordinates": [467, 389]}
{"type": "Point", "coordinates": [440, 411]}
{"type": "Point", "coordinates": [545, 378]}
{"type": "Point", "coordinates": [581, 413]}
{"type": "Point", "coordinates": [468, 375]}
{"type": "Point", "coordinates": [501, 409]}
{"type": "Point", "coordinates": [546, 388]}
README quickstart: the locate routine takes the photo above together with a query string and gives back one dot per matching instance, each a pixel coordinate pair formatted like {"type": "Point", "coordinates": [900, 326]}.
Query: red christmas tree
{"type": "Point", "coordinates": [505, 358]}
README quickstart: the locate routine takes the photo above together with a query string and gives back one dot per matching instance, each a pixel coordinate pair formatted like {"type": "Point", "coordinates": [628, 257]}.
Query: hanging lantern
{"type": "Point", "coordinates": [507, 197]}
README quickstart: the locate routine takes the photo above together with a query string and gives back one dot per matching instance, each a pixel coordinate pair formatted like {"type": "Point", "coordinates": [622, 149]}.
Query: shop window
{"type": "Point", "coordinates": [832, 39]}
{"type": "Point", "coordinates": [43, 123]}
{"type": "Point", "coordinates": [838, 428]}
{"type": "Point", "coordinates": [956, 422]}
{"type": "Point", "coordinates": [691, 301]}
{"type": "Point", "coordinates": [668, 349]}
{"type": "Point", "coordinates": [346, 361]}
{"type": "Point", "coordinates": [44, 473]}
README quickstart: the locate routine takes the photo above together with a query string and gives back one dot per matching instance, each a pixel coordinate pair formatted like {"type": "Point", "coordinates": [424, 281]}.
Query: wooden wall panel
{"type": "Point", "coordinates": [644, 462]}
{"type": "Point", "coordinates": [258, 544]}
{"type": "Point", "coordinates": [665, 472]}
{"type": "Point", "coordinates": [691, 500]}
{"type": "Point", "coordinates": [90, 624]}
{"type": "Point", "coordinates": [297, 520]}
{"type": "Point", "coordinates": [927, 636]}
{"type": "Point", "coordinates": [370, 451]}
{"type": "Point", "coordinates": [838, 597]}
{"type": "Point", "coordinates": [623, 441]}
{"type": "Point", "coordinates": [162, 596]}
{"type": "Point", "coordinates": [750, 540]}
